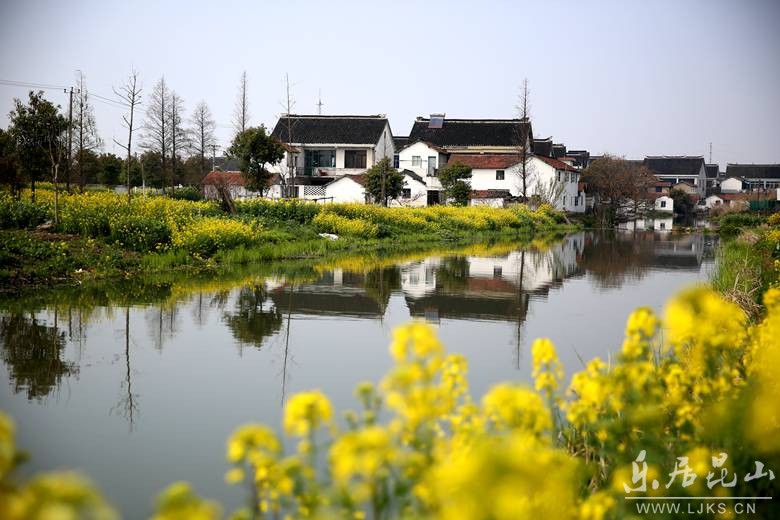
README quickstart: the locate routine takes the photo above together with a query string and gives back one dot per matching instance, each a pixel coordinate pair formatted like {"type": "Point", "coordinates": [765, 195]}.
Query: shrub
{"type": "Point", "coordinates": [190, 193]}
{"type": "Point", "coordinates": [140, 233]}
{"type": "Point", "coordinates": [21, 214]}
{"type": "Point", "coordinates": [206, 236]}
{"type": "Point", "coordinates": [280, 211]}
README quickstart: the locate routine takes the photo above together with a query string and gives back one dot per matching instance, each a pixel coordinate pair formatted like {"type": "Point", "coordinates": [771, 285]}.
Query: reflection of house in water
{"type": "Point", "coordinates": [335, 293]}
{"type": "Point", "coordinates": [686, 251]}
{"type": "Point", "coordinates": [488, 288]}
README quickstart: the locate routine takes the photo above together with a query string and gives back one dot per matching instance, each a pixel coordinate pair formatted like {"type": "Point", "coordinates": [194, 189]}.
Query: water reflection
{"type": "Point", "coordinates": [456, 286]}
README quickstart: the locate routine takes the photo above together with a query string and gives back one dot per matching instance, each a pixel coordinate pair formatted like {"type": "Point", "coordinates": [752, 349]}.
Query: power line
{"type": "Point", "coordinates": [48, 86]}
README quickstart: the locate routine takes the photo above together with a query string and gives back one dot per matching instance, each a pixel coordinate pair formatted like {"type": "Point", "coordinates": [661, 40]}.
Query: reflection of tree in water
{"type": "Point", "coordinates": [381, 282]}
{"type": "Point", "coordinates": [250, 322]}
{"type": "Point", "coordinates": [453, 273]}
{"type": "Point", "coordinates": [128, 404]}
{"type": "Point", "coordinates": [162, 322]}
{"type": "Point", "coordinates": [612, 259]}
{"type": "Point", "coordinates": [32, 351]}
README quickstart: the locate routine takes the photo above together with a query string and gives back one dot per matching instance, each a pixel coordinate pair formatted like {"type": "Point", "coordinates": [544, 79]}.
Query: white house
{"type": "Point", "coordinates": [349, 188]}
{"type": "Point", "coordinates": [328, 147]}
{"type": "Point", "coordinates": [234, 182]}
{"type": "Point", "coordinates": [664, 204]}
{"type": "Point", "coordinates": [712, 201]}
{"type": "Point", "coordinates": [756, 176]}
{"type": "Point", "coordinates": [731, 185]}
{"type": "Point", "coordinates": [424, 159]}
{"type": "Point", "coordinates": [545, 177]}
{"type": "Point", "coordinates": [352, 188]}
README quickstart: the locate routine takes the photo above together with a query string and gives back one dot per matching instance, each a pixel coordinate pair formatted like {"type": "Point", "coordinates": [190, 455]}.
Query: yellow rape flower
{"type": "Point", "coordinates": [305, 412]}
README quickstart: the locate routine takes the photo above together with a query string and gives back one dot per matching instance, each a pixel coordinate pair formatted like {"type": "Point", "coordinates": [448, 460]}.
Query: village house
{"type": "Point", "coordinates": [732, 185]}
{"type": "Point", "coordinates": [321, 149]}
{"type": "Point", "coordinates": [754, 177]}
{"type": "Point", "coordinates": [352, 188]}
{"type": "Point", "coordinates": [233, 181]}
{"type": "Point", "coordinates": [677, 169]}
{"type": "Point", "coordinates": [664, 204]}
{"type": "Point", "coordinates": [712, 172]}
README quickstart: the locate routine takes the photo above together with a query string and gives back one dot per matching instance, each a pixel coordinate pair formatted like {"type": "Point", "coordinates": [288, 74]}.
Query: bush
{"type": "Point", "coordinates": [21, 214]}
{"type": "Point", "coordinates": [208, 235]}
{"type": "Point", "coordinates": [140, 233]}
{"type": "Point", "coordinates": [190, 193]}
{"type": "Point", "coordinates": [280, 211]}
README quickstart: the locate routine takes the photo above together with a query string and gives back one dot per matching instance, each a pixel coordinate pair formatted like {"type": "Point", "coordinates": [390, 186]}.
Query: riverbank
{"type": "Point", "coordinates": [103, 235]}
{"type": "Point", "coordinates": [748, 259]}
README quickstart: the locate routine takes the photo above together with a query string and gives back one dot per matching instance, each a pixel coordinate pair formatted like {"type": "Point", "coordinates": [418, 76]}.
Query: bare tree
{"type": "Point", "coordinates": [241, 111]}
{"type": "Point", "coordinates": [85, 128]}
{"type": "Point", "coordinates": [622, 188]}
{"type": "Point", "coordinates": [523, 137]}
{"type": "Point", "coordinates": [157, 124]}
{"type": "Point", "coordinates": [290, 164]}
{"type": "Point", "coordinates": [130, 96]}
{"type": "Point", "coordinates": [176, 131]}
{"type": "Point", "coordinates": [202, 127]}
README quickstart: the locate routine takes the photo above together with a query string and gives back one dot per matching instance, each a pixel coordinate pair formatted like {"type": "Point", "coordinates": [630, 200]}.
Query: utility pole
{"type": "Point", "coordinates": [213, 157]}
{"type": "Point", "coordinates": [319, 103]}
{"type": "Point", "coordinates": [710, 152]}
{"type": "Point", "coordinates": [70, 139]}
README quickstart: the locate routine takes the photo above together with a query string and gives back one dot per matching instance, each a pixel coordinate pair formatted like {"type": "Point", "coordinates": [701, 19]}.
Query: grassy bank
{"type": "Point", "coordinates": [99, 235]}
{"type": "Point", "coordinates": [748, 259]}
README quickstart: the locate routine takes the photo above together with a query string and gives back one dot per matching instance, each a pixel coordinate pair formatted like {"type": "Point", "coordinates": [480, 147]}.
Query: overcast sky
{"type": "Point", "coordinates": [632, 78]}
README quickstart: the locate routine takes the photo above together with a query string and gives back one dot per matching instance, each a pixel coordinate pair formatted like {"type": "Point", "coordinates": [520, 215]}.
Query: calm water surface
{"type": "Point", "coordinates": [140, 384]}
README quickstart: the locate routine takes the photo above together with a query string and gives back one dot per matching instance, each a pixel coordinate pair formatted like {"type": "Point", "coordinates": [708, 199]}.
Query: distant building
{"type": "Point", "coordinates": [713, 174]}
{"type": "Point", "coordinates": [732, 185]}
{"type": "Point", "coordinates": [664, 204]}
{"type": "Point", "coordinates": [677, 169]}
{"type": "Point", "coordinates": [755, 176]}
{"type": "Point", "coordinates": [473, 135]}
{"type": "Point", "coordinates": [233, 181]}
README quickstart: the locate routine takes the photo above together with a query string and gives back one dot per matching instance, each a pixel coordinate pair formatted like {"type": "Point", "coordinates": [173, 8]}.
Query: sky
{"type": "Point", "coordinates": [628, 77]}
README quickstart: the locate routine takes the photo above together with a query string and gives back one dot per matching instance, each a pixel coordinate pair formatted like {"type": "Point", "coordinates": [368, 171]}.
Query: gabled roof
{"type": "Point", "coordinates": [413, 175]}
{"type": "Point", "coordinates": [426, 143]}
{"type": "Point", "coordinates": [228, 178]}
{"type": "Point", "coordinates": [753, 171]}
{"type": "Point", "coordinates": [558, 150]}
{"type": "Point", "coordinates": [472, 132]}
{"type": "Point", "coordinates": [711, 170]}
{"type": "Point", "coordinates": [487, 161]}
{"type": "Point", "coordinates": [543, 147]}
{"type": "Point", "coordinates": [358, 178]}
{"type": "Point", "coordinates": [308, 129]}
{"type": "Point", "coordinates": [674, 165]}
{"type": "Point", "coordinates": [226, 164]}
{"type": "Point", "coordinates": [557, 164]}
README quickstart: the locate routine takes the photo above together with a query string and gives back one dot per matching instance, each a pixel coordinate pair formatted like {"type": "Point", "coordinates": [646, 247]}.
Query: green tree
{"type": "Point", "coordinates": [110, 169]}
{"type": "Point", "coordinates": [87, 164]}
{"type": "Point", "coordinates": [683, 203]}
{"type": "Point", "coordinates": [453, 179]}
{"type": "Point", "coordinates": [9, 169]}
{"type": "Point", "coordinates": [29, 130]}
{"type": "Point", "coordinates": [383, 182]}
{"type": "Point", "coordinates": [256, 149]}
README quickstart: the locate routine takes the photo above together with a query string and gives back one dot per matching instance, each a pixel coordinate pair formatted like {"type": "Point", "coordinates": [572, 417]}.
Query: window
{"type": "Point", "coordinates": [396, 161]}
{"type": "Point", "coordinates": [663, 203]}
{"type": "Point", "coordinates": [431, 165]}
{"type": "Point", "coordinates": [416, 160]}
{"type": "Point", "coordinates": [355, 159]}
{"type": "Point", "coordinates": [499, 175]}
{"type": "Point", "coordinates": [658, 189]}
{"type": "Point", "coordinates": [497, 271]}
{"type": "Point", "coordinates": [564, 200]}
{"type": "Point", "coordinates": [576, 200]}
{"type": "Point", "coordinates": [318, 159]}
{"type": "Point", "coordinates": [407, 193]}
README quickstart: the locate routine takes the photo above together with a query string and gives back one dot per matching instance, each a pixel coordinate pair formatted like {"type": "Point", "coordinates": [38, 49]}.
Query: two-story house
{"type": "Point", "coordinates": [752, 177]}
{"type": "Point", "coordinates": [680, 169]}
{"type": "Point", "coordinates": [321, 148]}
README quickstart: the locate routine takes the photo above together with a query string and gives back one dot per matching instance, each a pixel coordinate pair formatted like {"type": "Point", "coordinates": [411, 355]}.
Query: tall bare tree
{"type": "Point", "coordinates": [290, 164]}
{"type": "Point", "coordinates": [129, 95]}
{"type": "Point", "coordinates": [84, 128]}
{"type": "Point", "coordinates": [241, 111]}
{"type": "Point", "coordinates": [156, 136]}
{"type": "Point", "coordinates": [523, 138]}
{"type": "Point", "coordinates": [202, 140]}
{"type": "Point", "coordinates": [177, 134]}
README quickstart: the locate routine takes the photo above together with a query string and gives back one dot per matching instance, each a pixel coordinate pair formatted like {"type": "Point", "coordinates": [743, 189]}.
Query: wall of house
{"type": "Point", "coordinates": [731, 185]}
{"type": "Point", "coordinates": [419, 194]}
{"type": "Point", "coordinates": [423, 151]}
{"type": "Point", "coordinates": [544, 176]}
{"type": "Point", "coordinates": [345, 190]}
{"type": "Point", "coordinates": [712, 201]}
{"type": "Point", "coordinates": [385, 147]}
{"type": "Point", "coordinates": [664, 204]}
{"type": "Point", "coordinates": [687, 188]}
{"type": "Point", "coordinates": [491, 203]}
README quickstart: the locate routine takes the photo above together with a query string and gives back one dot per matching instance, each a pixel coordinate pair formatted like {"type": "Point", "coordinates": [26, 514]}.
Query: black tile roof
{"type": "Point", "coordinates": [674, 165]}
{"type": "Point", "coordinates": [558, 150]}
{"type": "Point", "coordinates": [543, 147]}
{"type": "Point", "coordinates": [472, 132]}
{"type": "Point", "coordinates": [226, 164]}
{"type": "Point", "coordinates": [712, 170]}
{"type": "Point", "coordinates": [400, 142]}
{"type": "Point", "coordinates": [330, 129]}
{"type": "Point", "coordinates": [753, 171]}
{"type": "Point", "coordinates": [581, 157]}
{"type": "Point", "coordinates": [413, 175]}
